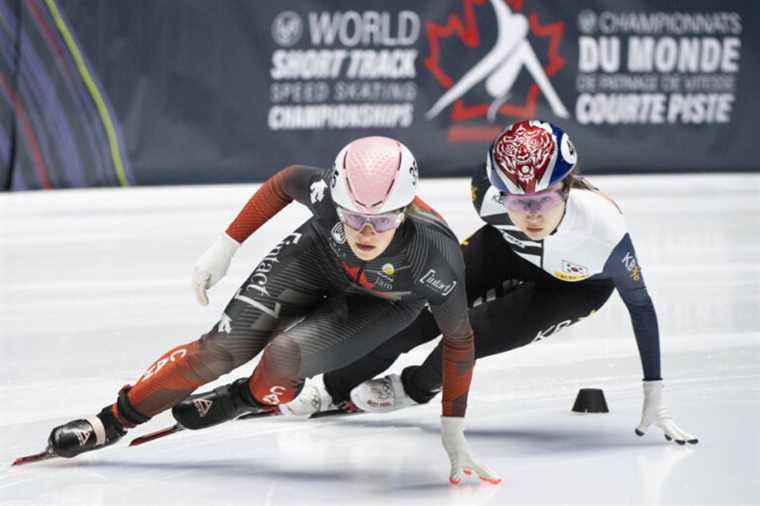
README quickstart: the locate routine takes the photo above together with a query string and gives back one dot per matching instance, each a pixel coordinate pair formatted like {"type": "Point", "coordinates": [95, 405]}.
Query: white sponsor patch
{"type": "Point", "coordinates": [431, 280]}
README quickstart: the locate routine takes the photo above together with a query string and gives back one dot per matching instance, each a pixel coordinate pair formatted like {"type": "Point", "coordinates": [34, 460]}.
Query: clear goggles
{"type": "Point", "coordinates": [379, 222]}
{"type": "Point", "coordinates": [534, 203]}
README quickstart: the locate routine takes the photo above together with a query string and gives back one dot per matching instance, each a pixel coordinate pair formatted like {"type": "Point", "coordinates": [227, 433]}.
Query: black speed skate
{"type": "Point", "coordinates": [217, 406]}
{"type": "Point", "coordinates": [79, 436]}
{"type": "Point", "coordinates": [87, 434]}
{"type": "Point", "coordinates": [211, 408]}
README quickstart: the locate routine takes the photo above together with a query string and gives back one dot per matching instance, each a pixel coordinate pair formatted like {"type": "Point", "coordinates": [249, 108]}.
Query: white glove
{"type": "Point", "coordinates": [655, 412]}
{"type": "Point", "coordinates": [452, 436]}
{"type": "Point", "coordinates": [212, 266]}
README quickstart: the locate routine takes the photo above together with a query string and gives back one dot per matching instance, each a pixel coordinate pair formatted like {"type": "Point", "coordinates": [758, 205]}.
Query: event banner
{"type": "Point", "coordinates": [102, 93]}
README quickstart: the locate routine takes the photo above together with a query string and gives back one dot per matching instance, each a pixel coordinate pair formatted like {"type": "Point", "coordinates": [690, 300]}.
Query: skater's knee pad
{"type": "Point", "coordinates": [276, 379]}
{"type": "Point", "coordinates": [283, 356]}
{"type": "Point", "coordinates": [210, 361]}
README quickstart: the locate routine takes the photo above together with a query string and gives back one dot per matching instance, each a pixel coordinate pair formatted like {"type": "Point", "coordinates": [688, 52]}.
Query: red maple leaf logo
{"type": "Point", "coordinates": [464, 26]}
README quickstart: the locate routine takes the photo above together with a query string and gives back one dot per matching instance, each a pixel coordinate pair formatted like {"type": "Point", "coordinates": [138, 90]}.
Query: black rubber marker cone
{"type": "Point", "coordinates": [590, 400]}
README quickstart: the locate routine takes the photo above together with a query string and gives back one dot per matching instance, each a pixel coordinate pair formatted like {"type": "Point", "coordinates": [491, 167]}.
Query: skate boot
{"type": "Point", "coordinates": [381, 395]}
{"type": "Point", "coordinates": [314, 398]}
{"type": "Point", "coordinates": [84, 435]}
{"type": "Point", "coordinates": [217, 406]}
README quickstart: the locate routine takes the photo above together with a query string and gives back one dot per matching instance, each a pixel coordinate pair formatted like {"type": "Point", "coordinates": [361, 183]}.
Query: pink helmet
{"type": "Point", "coordinates": [374, 175]}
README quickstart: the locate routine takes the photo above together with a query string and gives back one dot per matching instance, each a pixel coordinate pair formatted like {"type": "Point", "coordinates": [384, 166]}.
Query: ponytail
{"type": "Point", "coordinates": [575, 180]}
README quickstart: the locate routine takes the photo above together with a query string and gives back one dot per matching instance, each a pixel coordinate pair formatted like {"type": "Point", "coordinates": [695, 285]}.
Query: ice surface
{"type": "Point", "coordinates": [94, 285]}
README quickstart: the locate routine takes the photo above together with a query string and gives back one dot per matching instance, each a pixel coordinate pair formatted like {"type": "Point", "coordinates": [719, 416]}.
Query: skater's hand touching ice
{"type": "Point", "coordinates": [452, 436]}
{"type": "Point", "coordinates": [655, 412]}
{"type": "Point", "coordinates": [212, 266]}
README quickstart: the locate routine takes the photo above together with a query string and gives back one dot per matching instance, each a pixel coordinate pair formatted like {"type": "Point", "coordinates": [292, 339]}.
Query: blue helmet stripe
{"type": "Point", "coordinates": [561, 167]}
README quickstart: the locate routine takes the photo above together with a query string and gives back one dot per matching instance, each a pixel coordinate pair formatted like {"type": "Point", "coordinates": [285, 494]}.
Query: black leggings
{"type": "Point", "coordinates": [512, 303]}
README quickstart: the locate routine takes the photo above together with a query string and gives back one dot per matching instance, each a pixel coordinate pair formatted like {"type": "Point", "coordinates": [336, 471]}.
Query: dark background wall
{"type": "Point", "coordinates": [166, 92]}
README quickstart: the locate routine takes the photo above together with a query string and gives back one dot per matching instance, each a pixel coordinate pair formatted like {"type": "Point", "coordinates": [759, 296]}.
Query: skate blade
{"type": "Point", "coordinates": [260, 414]}
{"type": "Point", "coordinates": [318, 414]}
{"type": "Point", "coordinates": [155, 435]}
{"type": "Point", "coordinates": [37, 457]}
{"type": "Point", "coordinates": [333, 412]}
